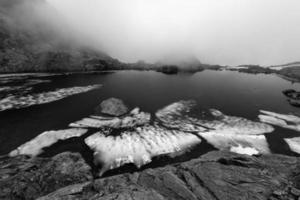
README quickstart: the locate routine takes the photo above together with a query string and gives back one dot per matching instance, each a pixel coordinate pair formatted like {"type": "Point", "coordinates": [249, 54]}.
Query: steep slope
{"type": "Point", "coordinates": [30, 42]}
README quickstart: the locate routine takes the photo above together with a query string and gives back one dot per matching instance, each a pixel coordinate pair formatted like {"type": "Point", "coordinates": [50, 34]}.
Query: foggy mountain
{"type": "Point", "coordinates": [31, 41]}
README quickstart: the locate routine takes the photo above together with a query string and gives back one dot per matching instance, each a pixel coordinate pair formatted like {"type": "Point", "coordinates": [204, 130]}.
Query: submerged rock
{"type": "Point", "coordinates": [216, 175]}
{"type": "Point", "coordinates": [112, 106]}
{"type": "Point", "coordinates": [294, 144]}
{"type": "Point", "coordinates": [24, 178]}
{"type": "Point", "coordinates": [294, 102]}
{"type": "Point", "coordinates": [35, 146]}
{"type": "Point", "coordinates": [16, 101]}
{"type": "Point", "coordinates": [291, 93]}
{"type": "Point", "coordinates": [138, 146]}
{"type": "Point", "coordinates": [285, 121]}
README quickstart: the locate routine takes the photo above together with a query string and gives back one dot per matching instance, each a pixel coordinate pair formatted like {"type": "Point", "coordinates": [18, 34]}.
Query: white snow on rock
{"type": "Point", "coordinates": [294, 144]}
{"type": "Point", "coordinates": [285, 121]}
{"type": "Point", "coordinates": [135, 118]}
{"type": "Point", "coordinates": [138, 146]}
{"type": "Point", "coordinates": [35, 146]}
{"type": "Point", "coordinates": [16, 101]}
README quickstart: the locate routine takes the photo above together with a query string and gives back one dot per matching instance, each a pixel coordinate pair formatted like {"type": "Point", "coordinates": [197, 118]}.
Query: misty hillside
{"type": "Point", "coordinates": [28, 44]}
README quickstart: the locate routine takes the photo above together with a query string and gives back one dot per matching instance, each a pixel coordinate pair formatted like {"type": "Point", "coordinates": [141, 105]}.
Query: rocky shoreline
{"type": "Point", "coordinates": [129, 157]}
{"type": "Point", "coordinates": [215, 175]}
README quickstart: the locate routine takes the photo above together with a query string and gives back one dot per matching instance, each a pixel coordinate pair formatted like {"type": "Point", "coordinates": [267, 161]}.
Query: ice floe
{"type": "Point", "coordinates": [16, 101]}
{"type": "Point", "coordinates": [174, 130]}
{"type": "Point", "coordinates": [243, 144]}
{"type": "Point", "coordinates": [35, 146]}
{"type": "Point", "coordinates": [222, 131]}
{"type": "Point", "coordinates": [294, 144]}
{"type": "Point", "coordinates": [176, 116]}
{"type": "Point", "coordinates": [135, 118]}
{"type": "Point", "coordinates": [285, 121]}
{"type": "Point", "coordinates": [138, 146]}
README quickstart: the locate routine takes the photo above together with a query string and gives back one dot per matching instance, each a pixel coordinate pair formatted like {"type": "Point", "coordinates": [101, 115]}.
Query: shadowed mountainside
{"type": "Point", "coordinates": [31, 44]}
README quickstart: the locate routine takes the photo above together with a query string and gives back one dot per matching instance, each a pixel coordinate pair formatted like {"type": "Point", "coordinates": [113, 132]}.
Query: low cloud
{"type": "Point", "coordinates": [226, 32]}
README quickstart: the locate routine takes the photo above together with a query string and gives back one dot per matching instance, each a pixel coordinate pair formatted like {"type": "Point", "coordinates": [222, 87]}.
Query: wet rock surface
{"type": "Point", "coordinates": [216, 175]}
{"type": "Point", "coordinates": [293, 97]}
{"type": "Point", "coordinates": [112, 106]}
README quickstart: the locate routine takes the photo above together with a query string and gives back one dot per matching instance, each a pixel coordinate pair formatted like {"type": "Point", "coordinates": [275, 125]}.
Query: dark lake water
{"type": "Point", "coordinates": [233, 93]}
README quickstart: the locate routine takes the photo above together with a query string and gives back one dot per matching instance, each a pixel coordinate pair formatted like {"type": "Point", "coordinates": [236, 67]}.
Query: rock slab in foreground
{"type": "Point", "coordinates": [25, 178]}
{"type": "Point", "coordinates": [216, 175]}
{"type": "Point", "coordinates": [112, 106]}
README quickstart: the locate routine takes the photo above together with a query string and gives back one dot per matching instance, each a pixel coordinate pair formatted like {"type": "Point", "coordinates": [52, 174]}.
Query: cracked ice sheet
{"type": "Point", "coordinates": [138, 146]}
{"type": "Point", "coordinates": [134, 118]}
{"type": "Point", "coordinates": [16, 101]}
{"type": "Point", "coordinates": [285, 121]}
{"type": "Point", "coordinates": [35, 146]}
{"type": "Point", "coordinates": [294, 144]}
{"type": "Point", "coordinates": [224, 132]}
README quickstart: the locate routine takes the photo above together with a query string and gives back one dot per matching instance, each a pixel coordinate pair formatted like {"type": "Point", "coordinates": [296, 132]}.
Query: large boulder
{"type": "Point", "coordinates": [112, 106]}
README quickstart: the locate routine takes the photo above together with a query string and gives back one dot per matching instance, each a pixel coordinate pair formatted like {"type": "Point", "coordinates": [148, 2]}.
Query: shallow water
{"type": "Point", "coordinates": [233, 93]}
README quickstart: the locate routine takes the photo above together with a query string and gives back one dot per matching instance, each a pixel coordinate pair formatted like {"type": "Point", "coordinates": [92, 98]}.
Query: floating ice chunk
{"type": "Point", "coordinates": [135, 118]}
{"type": "Point", "coordinates": [35, 146]}
{"type": "Point", "coordinates": [294, 144]}
{"type": "Point", "coordinates": [220, 130]}
{"type": "Point", "coordinates": [237, 125]}
{"type": "Point", "coordinates": [174, 116]}
{"type": "Point", "coordinates": [249, 144]}
{"type": "Point", "coordinates": [281, 120]}
{"type": "Point", "coordinates": [16, 101]}
{"type": "Point", "coordinates": [244, 150]}
{"type": "Point", "coordinates": [138, 146]}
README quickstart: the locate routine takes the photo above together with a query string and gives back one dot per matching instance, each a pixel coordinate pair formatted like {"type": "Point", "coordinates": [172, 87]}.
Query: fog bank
{"type": "Point", "coordinates": [227, 32]}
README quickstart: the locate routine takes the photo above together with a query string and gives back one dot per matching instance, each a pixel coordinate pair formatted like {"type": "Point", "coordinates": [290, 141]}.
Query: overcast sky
{"type": "Point", "coordinates": [228, 32]}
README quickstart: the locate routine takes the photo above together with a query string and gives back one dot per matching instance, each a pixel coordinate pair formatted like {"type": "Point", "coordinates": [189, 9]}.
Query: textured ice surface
{"type": "Point", "coordinates": [222, 131]}
{"type": "Point", "coordinates": [138, 146]}
{"type": "Point", "coordinates": [35, 146]}
{"type": "Point", "coordinates": [16, 101]}
{"type": "Point", "coordinates": [135, 118]}
{"type": "Point", "coordinates": [285, 121]}
{"type": "Point", "coordinates": [294, 144]}
{"type": "Point", "coordinates": [176, 116]}
{"type": "Point", "coordinates": [257, 144]}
